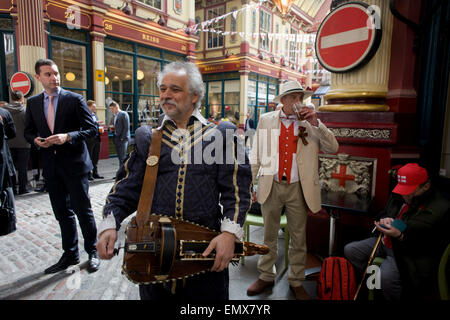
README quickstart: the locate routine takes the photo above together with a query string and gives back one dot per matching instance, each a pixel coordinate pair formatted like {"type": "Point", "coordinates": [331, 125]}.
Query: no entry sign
{"type": "Point", "coordinates": [348, 37]}
{"type": "Point", "coordinates": [22, 81]}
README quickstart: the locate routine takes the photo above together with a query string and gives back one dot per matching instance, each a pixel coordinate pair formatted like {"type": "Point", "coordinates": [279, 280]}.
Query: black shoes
{"type": "Point", "coordinates": [95, 175]}
{"type": "Point", "coordinates": [62, 264]}
{"type": "Point", "coordinates": [94, 262]}
{"type": "Point", "coordinates": [41, 188]}
{"type": "Point", "coordinates": [67, 261]}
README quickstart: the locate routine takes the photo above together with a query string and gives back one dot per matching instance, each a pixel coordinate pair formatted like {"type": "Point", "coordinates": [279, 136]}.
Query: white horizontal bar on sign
{"type": "Point", "coordinates": [347, 37]}
{"type": "Point", "coordinates": [20, 84]}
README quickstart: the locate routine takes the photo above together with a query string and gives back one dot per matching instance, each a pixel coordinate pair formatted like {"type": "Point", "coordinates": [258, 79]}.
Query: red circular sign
{"type": "Point", "coordinates": [348, 37]}
{"type": "Point", "coordinates": [22, 81]}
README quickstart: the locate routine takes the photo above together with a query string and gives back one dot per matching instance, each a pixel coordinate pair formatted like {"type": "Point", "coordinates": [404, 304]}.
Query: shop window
{"type": "Point", "coordinates": [119, 83]}
{"type": "Point", "coordinates": [148, 99]}
{"type": "Point", "coordinates": [71, 61]}
{"type": "Point", "coordinates": [7, 56]}
{"type": "Point", "coordinates": [233, 27]}
{"type": "Point", "coordinates": [293, 46]}
{"type": "Point", "coordinates": [69, 49]}
{"type": "Point", "coordinates": [131, 72]}
{"type": "Point", "coordinates": [173, 57]}
{"type": "Point", "coordinates": [60, 31]}
{"type": "Point", "coordinates": [232, 98]}
{"type": "Point", "coordinates": [277, 41]}
{"type": "Point", "coordinates": [147, 51]}
{"type": "Point", "coordinates": [264, 28]}
{"type": "Point", "coordinates": [261, 92]}
{"type": "Point", "coordinates": [215, 39]}
{"type": "Point", "coordinates": [119, 45]}
{"type": "Point", "coordinates": [153, 3]}
{"type": "Point", "coordinates": [215, 99]}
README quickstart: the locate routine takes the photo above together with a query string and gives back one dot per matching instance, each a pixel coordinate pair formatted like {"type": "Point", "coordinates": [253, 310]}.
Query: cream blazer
{"type": "Point", "coordinates": [264, 156]}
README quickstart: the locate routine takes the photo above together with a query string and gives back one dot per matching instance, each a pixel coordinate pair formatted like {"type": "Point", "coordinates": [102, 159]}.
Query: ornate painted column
{"type": "Point", "coordinates": [97, 36]}
{"type": "Point", "coordinates": [98, 64]}
{"type": "Point", "coordinates": [31, 36]}
{"type": "Point", "coordinates": [365, 89]}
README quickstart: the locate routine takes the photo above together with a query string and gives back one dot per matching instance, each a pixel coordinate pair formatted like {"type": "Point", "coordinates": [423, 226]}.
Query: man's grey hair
{"type": "Point", "coordinates": [195, 80]}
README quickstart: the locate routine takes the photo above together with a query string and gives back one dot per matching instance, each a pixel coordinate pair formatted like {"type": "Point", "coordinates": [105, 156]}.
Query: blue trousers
{"type": "Point", "coordinates": [358, 254]}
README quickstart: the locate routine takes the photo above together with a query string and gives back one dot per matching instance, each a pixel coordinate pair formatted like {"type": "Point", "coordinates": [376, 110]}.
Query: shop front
{"type": "Point", "coordinates": [8, 61]}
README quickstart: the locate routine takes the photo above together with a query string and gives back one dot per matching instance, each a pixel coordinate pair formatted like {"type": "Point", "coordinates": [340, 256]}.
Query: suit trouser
{"type": "Point", "coordinates": [69, 196]}
{"type": "Point", "coordinates": [93, 145]}
{"type": "Point", "coordinates": [121, 148]}
{"type": "Point", "coordinates": [291, 196]}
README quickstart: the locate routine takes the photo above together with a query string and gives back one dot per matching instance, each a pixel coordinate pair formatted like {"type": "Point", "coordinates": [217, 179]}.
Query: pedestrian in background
{"type": "Point", "coordinates": [93, 144]}
{"type": "Point", "coordinates": [19, 147]}
{"type": "Point", "coordinates": [120, 127]}
{"type": "Point", "coordinates": [7, 174]}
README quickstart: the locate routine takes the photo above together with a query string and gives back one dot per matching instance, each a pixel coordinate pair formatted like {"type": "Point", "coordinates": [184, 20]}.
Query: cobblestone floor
{"type": "Point", "coordinates": [36, 244]}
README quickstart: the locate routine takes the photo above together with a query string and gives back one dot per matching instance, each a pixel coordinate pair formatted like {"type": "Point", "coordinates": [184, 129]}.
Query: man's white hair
{"type": "Point", "coordinates": [195, 80]}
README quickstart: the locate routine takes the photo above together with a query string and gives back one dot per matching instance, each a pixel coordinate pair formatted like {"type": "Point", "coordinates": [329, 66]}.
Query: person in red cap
{"type": "Point", "coordinates": [415, 226]}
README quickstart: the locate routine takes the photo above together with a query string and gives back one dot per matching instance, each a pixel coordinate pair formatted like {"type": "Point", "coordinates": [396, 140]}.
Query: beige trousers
{"type": "Point", "coordinates": [291, 196]}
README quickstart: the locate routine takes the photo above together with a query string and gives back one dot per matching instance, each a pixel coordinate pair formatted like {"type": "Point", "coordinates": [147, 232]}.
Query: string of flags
{"type": "Point", "coordinates": [208, 27]}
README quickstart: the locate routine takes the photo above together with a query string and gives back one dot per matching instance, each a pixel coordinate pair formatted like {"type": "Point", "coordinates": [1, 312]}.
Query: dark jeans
{"type": "Point", "coordinates": [20, 157]}
{"type": "Point", "coordinates": [358, 253]}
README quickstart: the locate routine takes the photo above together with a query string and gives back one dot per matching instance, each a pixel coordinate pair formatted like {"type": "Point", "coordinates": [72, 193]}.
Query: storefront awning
{"type": "Point", "coordinates": [322, 90]}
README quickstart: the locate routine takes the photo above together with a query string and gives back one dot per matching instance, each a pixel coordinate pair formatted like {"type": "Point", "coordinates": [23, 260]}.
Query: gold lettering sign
{"type": "Point", "coordinates": [108, 26]}
{"type": "Point", "coordinates": [214, 68]}
{"type": "Point", "coordinates": [150, 38]}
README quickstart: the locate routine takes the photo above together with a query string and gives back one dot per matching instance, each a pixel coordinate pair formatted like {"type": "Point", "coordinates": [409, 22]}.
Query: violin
{"type": "Point", "coordinates": [167, 248]}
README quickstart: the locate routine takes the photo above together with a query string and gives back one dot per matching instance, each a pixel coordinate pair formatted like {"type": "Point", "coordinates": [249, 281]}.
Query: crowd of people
{"type": "Point", "coordinates": [282, 163]}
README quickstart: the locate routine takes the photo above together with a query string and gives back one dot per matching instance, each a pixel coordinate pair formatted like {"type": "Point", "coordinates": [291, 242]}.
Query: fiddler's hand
{"type": "Point", "coordinates": [224, 246]}
{"type": "Point", "coordinates": [105, 244]}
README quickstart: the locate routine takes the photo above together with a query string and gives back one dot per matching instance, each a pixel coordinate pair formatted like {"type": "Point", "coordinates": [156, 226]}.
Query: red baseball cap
{"type": "Point", "coordinates": [409, 177]}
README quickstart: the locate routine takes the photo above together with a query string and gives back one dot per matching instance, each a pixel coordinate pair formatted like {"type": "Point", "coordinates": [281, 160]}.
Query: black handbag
{"type": "Point", "coordinates": [7, 212]}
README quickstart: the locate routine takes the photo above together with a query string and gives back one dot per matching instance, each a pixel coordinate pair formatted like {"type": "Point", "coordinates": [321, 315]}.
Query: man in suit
{"type": "Point", "coordinates": [285, 153]}
{"type": "Point", "coordinates": [249, 129]}
{"type": "Point", "coordinates": [58, 122]}
{"type": "Point", "coordinates": [94, 143]}
{"type": "Point", "coordinates": [121, 124]}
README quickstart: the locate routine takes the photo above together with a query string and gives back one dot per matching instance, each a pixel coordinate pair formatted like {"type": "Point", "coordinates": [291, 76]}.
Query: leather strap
{"type": "Point", "coordinates": [148, 186]}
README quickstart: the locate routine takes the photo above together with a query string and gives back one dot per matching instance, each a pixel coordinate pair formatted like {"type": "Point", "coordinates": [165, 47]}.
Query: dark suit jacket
{"type": "Point", "coordinates": [249, 124]}
{"type": "Point", "coordinates": [72, 117]}
{"type": "Point", "coordinates": [122, 126]}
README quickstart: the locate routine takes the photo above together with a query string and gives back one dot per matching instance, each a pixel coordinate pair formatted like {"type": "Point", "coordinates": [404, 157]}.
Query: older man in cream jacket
{"type": "Point", "coordinates": [285, 159]}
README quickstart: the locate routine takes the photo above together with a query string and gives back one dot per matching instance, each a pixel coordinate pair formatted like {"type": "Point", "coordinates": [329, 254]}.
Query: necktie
{"type": "Point", "coordinates": [51, 114]}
